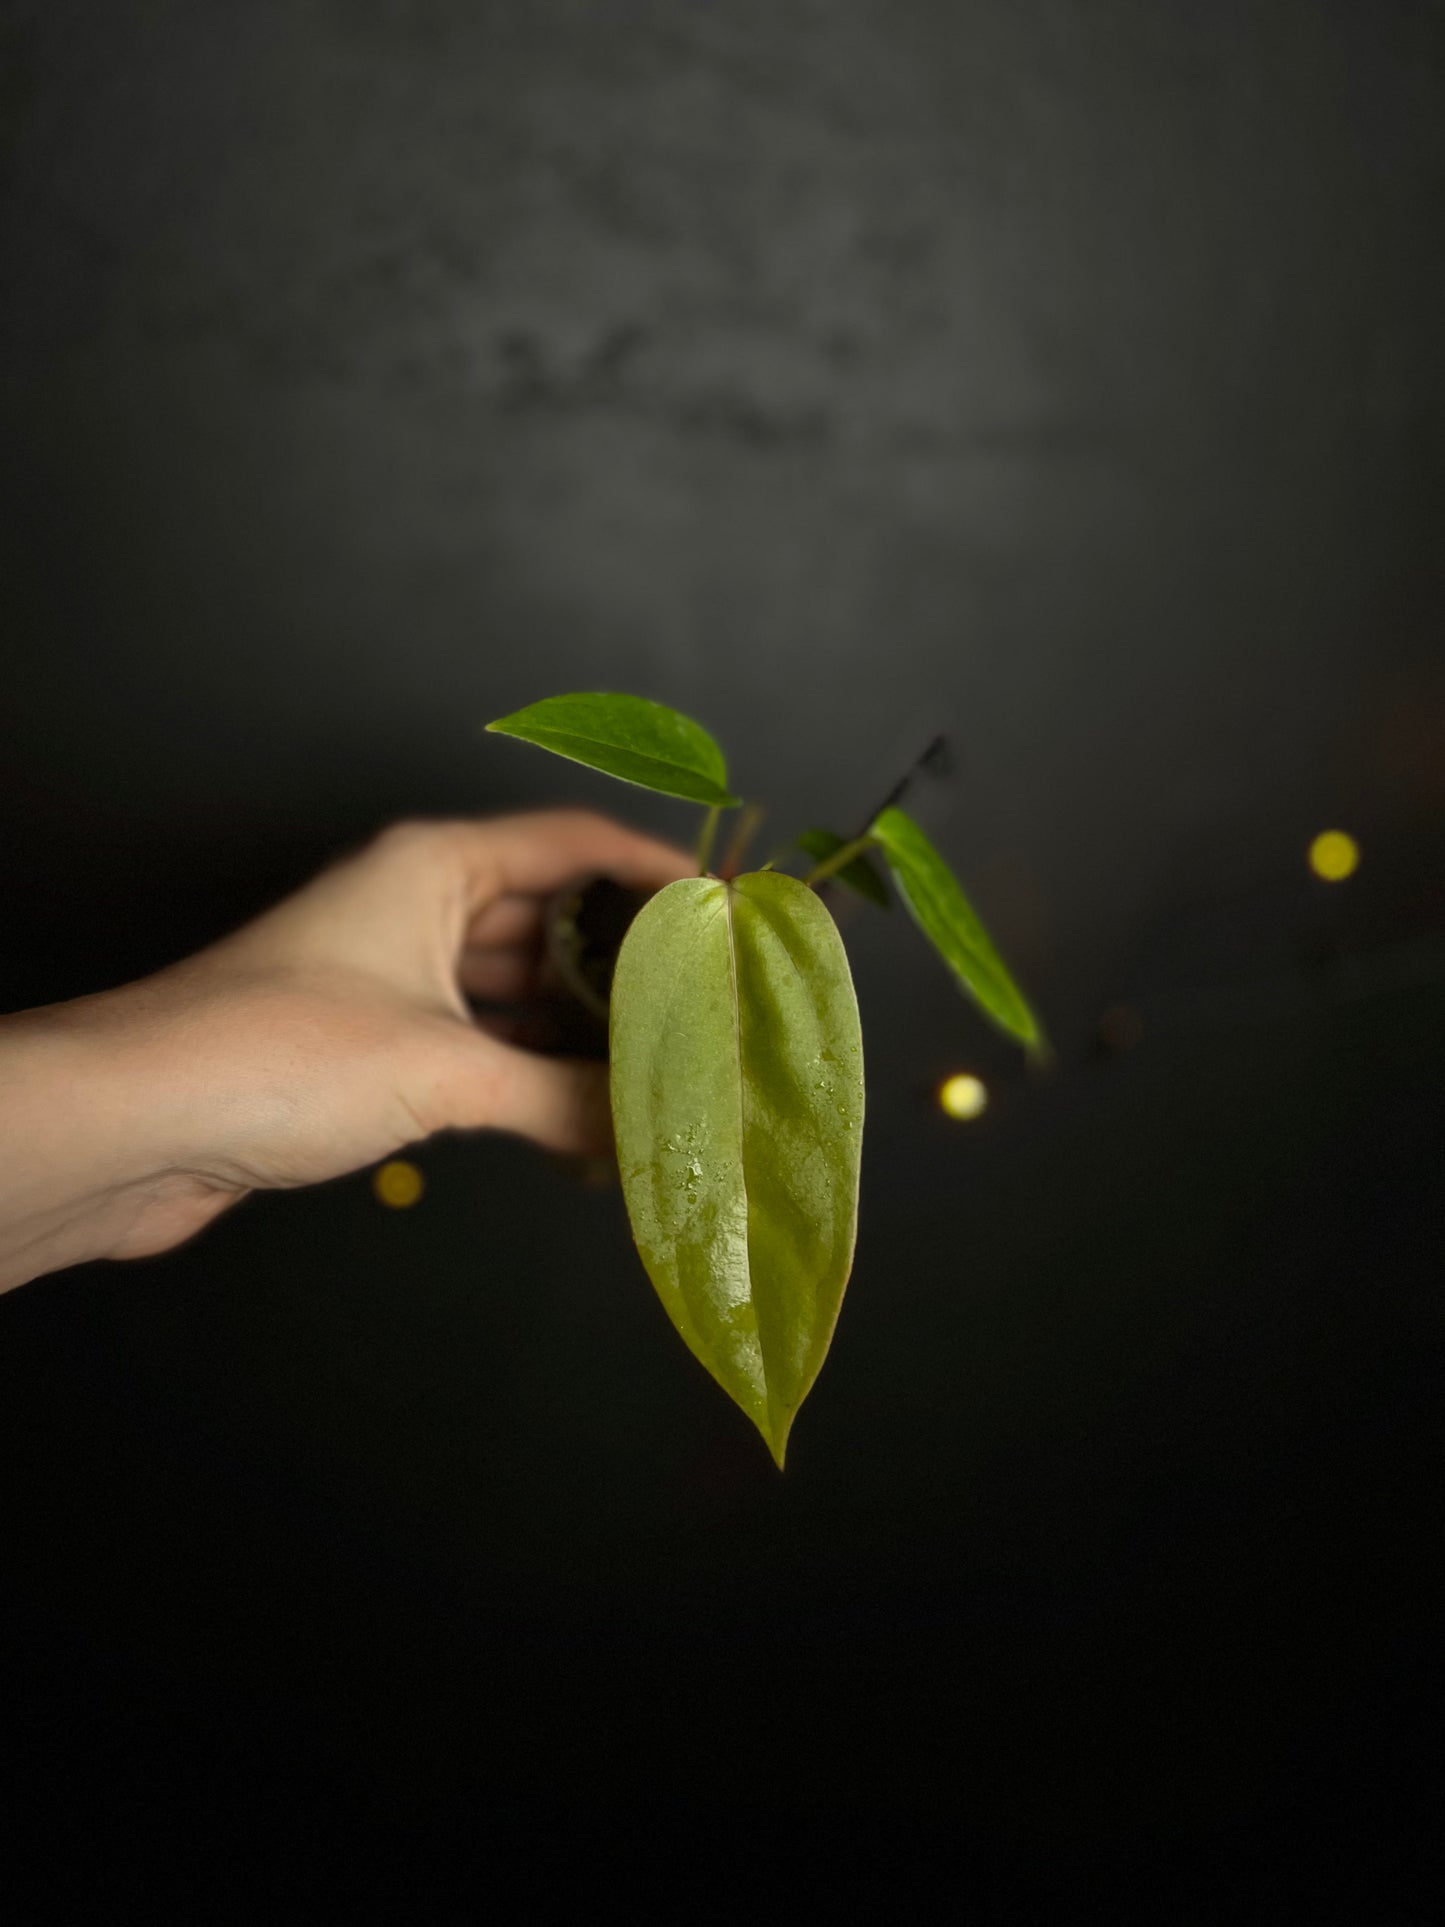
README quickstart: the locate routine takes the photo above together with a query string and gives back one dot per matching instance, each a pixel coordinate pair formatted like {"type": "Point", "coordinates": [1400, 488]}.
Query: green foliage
{"type": "Point", "coordinates": [737, 1059]}
{"type": "Point", "coordinates": [626, 736]}
{"type": "Point", "coordinates": [860, 874]}
{"type": "Point", "coordinates": [942, 912]}
{"type": "Point", "coordinates": [737, 1098]}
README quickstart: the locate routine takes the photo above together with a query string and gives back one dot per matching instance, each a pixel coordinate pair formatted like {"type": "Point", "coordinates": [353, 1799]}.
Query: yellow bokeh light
{"type": "Point", "coordinates": [962, 1095]}
{"type": "Point", "coordinates": [1334, 856]}
{"type": "Point", "coordinates": [398, 1184]}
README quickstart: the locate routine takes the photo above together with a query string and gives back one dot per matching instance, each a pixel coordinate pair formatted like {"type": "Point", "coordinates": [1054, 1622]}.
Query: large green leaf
{"type": "Point", "coordinates": [860, 874]}
{"type": "Point", "coordinates": [737, 1097]}
{"type": "Point", "coordinates": [944, 915]}
{"type": "Point", "coordinates": [627, 736]}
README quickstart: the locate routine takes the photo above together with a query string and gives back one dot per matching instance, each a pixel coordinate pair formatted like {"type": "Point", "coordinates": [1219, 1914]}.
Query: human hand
{"type": "Point", "coordinates": [325, 1035]}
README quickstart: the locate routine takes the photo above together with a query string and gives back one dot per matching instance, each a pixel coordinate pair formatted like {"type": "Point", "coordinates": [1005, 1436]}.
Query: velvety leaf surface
{"type": "Point", "coordinates": [942, 912]}
{"type": "Point", "coordinates": [627, 736]}
{"type": "Point", "coordinates": [861, 874]}
{"type": "Point", "coordinates": [737, 1099]}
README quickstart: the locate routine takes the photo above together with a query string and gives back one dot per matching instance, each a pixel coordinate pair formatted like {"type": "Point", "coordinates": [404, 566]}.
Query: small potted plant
{"type": "Point", "coordinates": [737, 1058]}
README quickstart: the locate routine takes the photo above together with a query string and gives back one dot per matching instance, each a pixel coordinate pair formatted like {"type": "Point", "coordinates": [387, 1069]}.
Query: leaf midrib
{"type": "Point", "coordinates": [559, 736]}
{"type": "Point", "coordinates": [729, 898]}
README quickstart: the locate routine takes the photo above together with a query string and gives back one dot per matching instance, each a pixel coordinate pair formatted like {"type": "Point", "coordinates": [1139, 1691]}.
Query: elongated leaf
{"type": "Point", "coordinates": [942, 912]}
{"type": "Point", "coordinates": [737, 1098]}
{"type": "Point", "coordinates": [860, 875]}
{"type": "Point", "coordinates": [627, 736]}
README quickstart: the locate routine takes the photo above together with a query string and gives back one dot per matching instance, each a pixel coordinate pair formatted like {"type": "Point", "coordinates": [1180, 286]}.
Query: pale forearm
{"type": "Point", "coordinates": [92, 1137]}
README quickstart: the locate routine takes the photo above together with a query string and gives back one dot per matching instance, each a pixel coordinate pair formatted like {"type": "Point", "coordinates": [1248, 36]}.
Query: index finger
{"type": "Point", "coordinates": [535, 854]}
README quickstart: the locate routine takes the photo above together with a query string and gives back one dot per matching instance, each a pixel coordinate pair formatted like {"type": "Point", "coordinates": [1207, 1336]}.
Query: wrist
{"type": "Point", "coordinates": [90, 1135]}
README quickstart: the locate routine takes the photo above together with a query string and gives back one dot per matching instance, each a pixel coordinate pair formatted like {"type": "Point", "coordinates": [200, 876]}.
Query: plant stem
{"type": "Point", "coordinates": [705, 839]}
{"type": "Point", "coordinates": [839, 860]}
{"type": "Point", "coordinates": [742, 836]}
{"type": "Point", "coordinates": [935, 755]}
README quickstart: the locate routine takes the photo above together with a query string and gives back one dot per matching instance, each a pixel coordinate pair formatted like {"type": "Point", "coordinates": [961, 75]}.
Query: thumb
{"type": "Point", "coordinates": [560, 1103]}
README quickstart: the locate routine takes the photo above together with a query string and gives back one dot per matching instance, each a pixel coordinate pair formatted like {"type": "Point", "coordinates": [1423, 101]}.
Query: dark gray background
{"type": "Point", "coordinates": [1062, 374]}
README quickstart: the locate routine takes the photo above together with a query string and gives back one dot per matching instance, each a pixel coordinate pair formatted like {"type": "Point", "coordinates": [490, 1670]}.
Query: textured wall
{"type": "Point", "coordinates": [1054, 374]}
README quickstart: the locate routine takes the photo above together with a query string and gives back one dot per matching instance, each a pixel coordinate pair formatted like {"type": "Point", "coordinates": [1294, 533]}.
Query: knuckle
{"type": "Point", "coordinates": [416, 839]}
{"type": "Point", "coordinates": [407, 833]}
{"type": "Point", "coordinates": [581, 822]}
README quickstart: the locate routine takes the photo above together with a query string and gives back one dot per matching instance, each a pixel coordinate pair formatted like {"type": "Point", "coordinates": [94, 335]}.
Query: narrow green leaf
{"type": "Point", "coordinates": [861, 875]}
{"type": "Point", "coordinates": [629, 737]}
{"type": "Point", "coordinates": [737, 1099]}
{"type": "Point", "coordinates": [944, 915]}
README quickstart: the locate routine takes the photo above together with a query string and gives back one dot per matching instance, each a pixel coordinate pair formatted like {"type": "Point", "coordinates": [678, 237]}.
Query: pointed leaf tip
{"type": "Point", "coordinates": [630, 738]}
{"type": "Point", "coordinates": [936, 902]}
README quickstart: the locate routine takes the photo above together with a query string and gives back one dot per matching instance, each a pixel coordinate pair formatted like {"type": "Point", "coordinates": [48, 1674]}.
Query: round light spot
{"type": "Point", "coordinates": [962, 1095]}
{"type": "Point", "coordinates": [1334, 855]}
{"type": "Point", "coordinates": [398, 1184]}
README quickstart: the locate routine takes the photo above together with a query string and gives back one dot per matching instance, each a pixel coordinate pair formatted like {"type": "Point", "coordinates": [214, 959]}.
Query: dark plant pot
{"type": "Point", "coordinates": [585, 927]}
